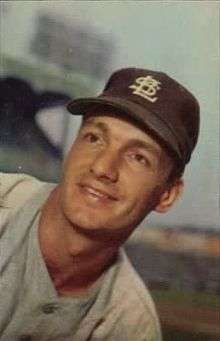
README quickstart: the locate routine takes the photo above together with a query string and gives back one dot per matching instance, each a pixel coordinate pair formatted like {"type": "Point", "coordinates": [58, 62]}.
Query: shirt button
{"type": "Point", "coordinates": [49, 308]}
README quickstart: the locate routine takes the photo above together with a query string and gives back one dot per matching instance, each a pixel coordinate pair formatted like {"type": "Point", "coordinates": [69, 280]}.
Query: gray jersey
{"type": "Point", "coordinates": [118, 306]}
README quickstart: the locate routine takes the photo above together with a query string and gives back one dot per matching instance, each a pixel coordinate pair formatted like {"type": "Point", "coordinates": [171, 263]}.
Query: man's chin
{"type": "Point", "coordinates": [96, 225]}
{"type": "Point", "coordinates": [102, 231]}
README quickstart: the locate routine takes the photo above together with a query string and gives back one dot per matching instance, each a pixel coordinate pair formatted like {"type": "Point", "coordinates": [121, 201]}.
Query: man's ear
{"type": "Point", "coordinates": [169, 196]}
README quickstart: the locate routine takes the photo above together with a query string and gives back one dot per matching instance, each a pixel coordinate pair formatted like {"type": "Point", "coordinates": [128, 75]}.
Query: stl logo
{"type": "Point", "coordinates": [146, 87]}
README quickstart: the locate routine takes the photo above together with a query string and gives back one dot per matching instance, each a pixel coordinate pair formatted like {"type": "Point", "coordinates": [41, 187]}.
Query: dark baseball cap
{"type": "Point", "coordinates": [156, 101]}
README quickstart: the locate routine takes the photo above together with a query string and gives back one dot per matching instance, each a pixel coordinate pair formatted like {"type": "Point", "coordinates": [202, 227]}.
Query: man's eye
{"type": "Point", "coordinates": [91, 137]}
{"type": "Point", "coordinates": [139, 158]}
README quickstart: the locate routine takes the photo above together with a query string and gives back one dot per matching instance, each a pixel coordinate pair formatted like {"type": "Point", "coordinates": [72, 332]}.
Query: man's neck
{"type": "Point", "coordinates": [74, 261]}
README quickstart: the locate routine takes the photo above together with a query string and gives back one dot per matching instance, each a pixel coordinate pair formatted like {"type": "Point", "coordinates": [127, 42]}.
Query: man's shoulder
{"type": "Point", "coordinates": [130, 284]}
{"type": "Point", "coordinates": [16, 189]}
{"type": "Point", "coordinates": [130, 306]}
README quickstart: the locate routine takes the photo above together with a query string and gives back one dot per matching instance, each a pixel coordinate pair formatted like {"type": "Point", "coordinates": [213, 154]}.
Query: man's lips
{"type": "Point", "coordinates": [97, 192]}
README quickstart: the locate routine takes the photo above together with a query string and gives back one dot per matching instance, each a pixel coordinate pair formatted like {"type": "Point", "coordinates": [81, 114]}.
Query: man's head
{"type": "Point", "coordinates": [168, 110]}
{"type": "Point", "coordinates": [132, 147]}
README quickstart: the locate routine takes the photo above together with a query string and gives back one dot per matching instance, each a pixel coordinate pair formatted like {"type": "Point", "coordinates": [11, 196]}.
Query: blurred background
{"type": "Point", "coordinates": [51, 51]}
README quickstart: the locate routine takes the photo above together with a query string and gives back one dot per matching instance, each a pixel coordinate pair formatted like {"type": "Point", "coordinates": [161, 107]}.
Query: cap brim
{"type": "Point", "coordinates": [150, 119]}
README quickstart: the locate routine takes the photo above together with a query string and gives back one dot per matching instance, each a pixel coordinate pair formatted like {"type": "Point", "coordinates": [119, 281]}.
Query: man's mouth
{"type": "Point", "coordinates": [97, 192]}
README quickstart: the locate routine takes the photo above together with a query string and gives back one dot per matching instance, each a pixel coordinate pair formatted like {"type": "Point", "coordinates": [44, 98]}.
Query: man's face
{"type": "Point", "coordinates": [113, 175]}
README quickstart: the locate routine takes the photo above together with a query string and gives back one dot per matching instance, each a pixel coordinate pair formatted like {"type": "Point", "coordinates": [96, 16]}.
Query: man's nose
{"type": "Point", "coordinates": [105, 166]}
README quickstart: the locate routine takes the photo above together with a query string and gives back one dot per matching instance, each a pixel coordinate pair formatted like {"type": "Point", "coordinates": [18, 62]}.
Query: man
{"type": "Point", "coordinates": [64, 274]}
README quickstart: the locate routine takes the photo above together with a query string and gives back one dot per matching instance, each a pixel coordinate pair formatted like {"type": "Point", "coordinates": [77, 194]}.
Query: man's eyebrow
{"type": "Point", "coordinates": [132, 142]}
{"type": "Point", "coordinates": [100, 125]}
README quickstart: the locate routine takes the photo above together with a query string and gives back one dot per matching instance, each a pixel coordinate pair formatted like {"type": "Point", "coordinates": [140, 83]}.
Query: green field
{"type": "Point", "coordinates": [187, 298]}
{"type": "Point", "coordinates": [188, 316]}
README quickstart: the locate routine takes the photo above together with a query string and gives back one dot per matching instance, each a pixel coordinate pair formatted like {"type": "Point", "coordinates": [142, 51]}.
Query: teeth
{"type": "Point", "coordinates": [96, 193]}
